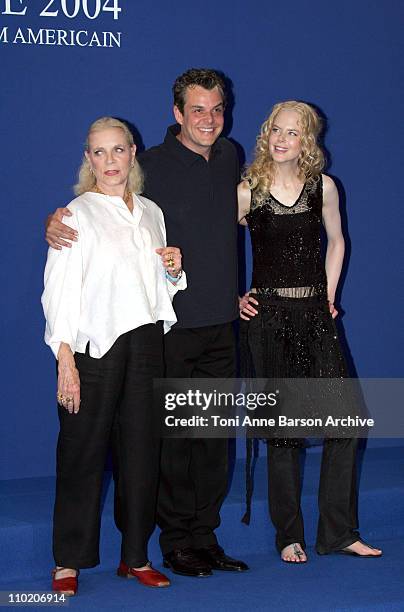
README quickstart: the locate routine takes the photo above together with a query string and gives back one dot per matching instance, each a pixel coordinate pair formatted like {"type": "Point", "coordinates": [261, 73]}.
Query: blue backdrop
{"type": "Point", "coordinates": [345, 57]}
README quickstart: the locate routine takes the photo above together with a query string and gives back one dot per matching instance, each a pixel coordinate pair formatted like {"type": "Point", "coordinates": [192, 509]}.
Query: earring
{"type": "Point", "coordinates": [132, 164]}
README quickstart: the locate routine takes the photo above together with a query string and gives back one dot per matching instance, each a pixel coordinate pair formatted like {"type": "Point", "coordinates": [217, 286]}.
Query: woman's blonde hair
{"type": "Point", "coordinates": [261, 173]}
{"type": "Point", "coordinates": [87, 180]}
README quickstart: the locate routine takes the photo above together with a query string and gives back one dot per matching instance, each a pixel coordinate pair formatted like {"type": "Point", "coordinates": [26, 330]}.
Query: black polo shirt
{"type": "Point", "coordinates": [199, 202]}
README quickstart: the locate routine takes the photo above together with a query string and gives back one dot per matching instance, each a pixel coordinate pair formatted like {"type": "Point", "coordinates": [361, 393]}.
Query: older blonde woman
{"type": "Point", "coordinates": [107, 301]}
{"type": "Point", "coordinates": [285, 200]}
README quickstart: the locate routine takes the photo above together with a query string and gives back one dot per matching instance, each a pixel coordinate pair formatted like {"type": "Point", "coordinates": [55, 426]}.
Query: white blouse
{"type": "Point", "coordinates": [111, 281]}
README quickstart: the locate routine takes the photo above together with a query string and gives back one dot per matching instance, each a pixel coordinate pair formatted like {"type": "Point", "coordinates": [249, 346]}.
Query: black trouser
{"type": "Point", "coordinates": [337, 495]}
{"type": "Point", "coordinates": [118, 387]}
{"type": "Point", "coordinates": [193, 476]}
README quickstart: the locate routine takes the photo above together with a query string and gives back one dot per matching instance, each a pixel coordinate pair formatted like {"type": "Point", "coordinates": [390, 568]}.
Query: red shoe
{"type": "Point", "coordinates": [65, 586]}
{"type": "Point", "coordinates": [149, 577]}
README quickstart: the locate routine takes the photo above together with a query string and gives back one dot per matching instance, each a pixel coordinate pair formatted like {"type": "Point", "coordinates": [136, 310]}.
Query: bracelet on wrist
{"type": "Point", "coordinates": [173, 279]}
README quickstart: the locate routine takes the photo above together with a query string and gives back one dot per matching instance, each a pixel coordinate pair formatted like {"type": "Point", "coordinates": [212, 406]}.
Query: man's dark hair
{"type": "Point", "coordinates": [204, 77]}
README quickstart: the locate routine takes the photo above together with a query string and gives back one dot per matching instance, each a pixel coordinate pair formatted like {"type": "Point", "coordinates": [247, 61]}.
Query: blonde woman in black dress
{"type": "Point", "coordinates": [285, 200]}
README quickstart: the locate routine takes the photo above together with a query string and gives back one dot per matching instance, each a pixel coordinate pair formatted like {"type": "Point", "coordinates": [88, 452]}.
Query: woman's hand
{"type": "Point", "coordinates": [333, 310]}
{"type": "Point", "coordinates": [68, 394]}
{"type": "Point", "coordinates": [245, 306]}
{"type": "Point", "coordinates": [171, 258]}
{"type": "Point", "coordinates": [57, 232]}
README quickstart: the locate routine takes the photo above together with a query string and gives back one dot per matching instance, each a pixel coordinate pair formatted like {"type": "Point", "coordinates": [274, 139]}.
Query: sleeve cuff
{"type": "Point", "coordinates": [180, 286]}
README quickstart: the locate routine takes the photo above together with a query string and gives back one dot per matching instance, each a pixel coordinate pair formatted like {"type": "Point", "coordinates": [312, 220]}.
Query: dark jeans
{"type": "Point", "coordinates": [116, 388]}
{"type": "Point", "coordinates": [193, 476]}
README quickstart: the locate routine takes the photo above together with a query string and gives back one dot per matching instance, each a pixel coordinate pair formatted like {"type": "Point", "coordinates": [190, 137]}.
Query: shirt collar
{"type": "Point", "coordinates": [117, 201]}
{"type": "Point", "coordinates": [187, 156]}
{"type": "Point", "coordinates": [139, 201]}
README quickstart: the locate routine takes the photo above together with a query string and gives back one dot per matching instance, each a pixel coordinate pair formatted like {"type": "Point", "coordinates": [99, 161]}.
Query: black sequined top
{"type": "Point", "coordinates": [286, 244]}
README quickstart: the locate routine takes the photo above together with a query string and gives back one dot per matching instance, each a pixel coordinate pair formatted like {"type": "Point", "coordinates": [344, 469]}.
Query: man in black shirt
{"type": "Point", "coordinates": [193, 177]}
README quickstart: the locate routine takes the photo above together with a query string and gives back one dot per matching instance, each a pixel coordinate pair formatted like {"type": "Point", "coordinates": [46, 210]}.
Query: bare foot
{"type": "Point", "coordinates": [64, 572]}
{"type": "Point", "coordinates": [144, 568]}
{"type": "Point", "coordinates": [293, 553]}
{"type": "Point", "coordinates": [363, 550]}
{"type": "Point", "coordinates": [64, 580]}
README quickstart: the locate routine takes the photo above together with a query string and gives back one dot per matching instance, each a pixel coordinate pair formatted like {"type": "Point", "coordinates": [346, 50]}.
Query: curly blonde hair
{"type": "Point", "coordinates": [86, 179]}
{"type": "Point", "coordinates": [261, 173]}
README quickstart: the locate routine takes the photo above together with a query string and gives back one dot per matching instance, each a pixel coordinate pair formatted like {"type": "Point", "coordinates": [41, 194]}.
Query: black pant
{"type": "Point", "coordinates": [118, 387]}
{"type": "Point", "coordinates": [275, 355]}
{"type": "Point", "coordinates": [193, 476]}
{"type": "Point", "coordinates": [337, 495]}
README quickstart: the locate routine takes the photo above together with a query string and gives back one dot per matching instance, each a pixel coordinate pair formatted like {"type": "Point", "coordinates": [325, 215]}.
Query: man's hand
{"type": "Point", "coordinates": [57, 233]}
{"type": "Point", "coordinates": [246, 308]}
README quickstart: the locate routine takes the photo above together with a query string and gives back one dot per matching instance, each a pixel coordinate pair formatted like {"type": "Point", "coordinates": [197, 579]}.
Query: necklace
{"type": "Point", "coordinates": [127, 196]}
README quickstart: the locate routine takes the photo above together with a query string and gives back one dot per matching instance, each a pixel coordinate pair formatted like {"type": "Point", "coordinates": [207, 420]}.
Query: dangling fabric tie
{"type": "Point", "coordinates": [247, 372]}
{"type": "Point", "coordinates": [249, 480]}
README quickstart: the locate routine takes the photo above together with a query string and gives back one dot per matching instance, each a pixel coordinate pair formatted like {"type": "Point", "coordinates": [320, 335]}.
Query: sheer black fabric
{"type": "Point", "coordinates": [286, 244]}
{"type": "Point", "coordinates": [294, 335]}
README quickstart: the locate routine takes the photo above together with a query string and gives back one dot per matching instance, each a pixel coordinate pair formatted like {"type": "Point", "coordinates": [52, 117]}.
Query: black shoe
{"type": "Point", "coordinates": [186, 563]}
{"type": "Point", "coordinates": [216, 558]}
